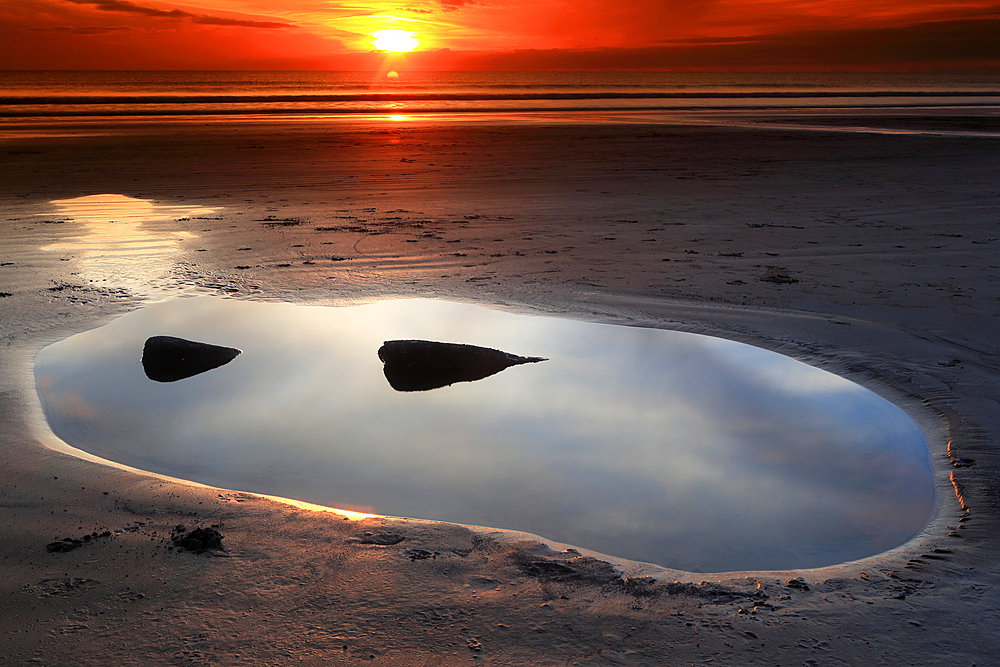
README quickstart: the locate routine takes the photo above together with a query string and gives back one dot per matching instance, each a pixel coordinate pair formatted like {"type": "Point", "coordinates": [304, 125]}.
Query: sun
{"type": "Point", "coordinates": [396, 41]}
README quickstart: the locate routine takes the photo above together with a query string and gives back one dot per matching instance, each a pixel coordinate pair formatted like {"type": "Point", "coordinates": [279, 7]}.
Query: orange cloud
{"type": "Point", "coordinates": [52, 34]}
{"type": "Point", "coordinates": [133, 8]}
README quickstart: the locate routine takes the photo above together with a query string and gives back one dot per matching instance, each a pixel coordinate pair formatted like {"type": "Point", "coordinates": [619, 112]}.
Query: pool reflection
{"type": "Point", "coordinates": [683, 450]}
{"type": "Point", "coordinates": [129, 238]}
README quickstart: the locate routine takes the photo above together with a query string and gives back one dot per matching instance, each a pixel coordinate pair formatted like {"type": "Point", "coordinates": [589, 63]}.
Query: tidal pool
{"type": "Point", "coordinates": [683, 450]}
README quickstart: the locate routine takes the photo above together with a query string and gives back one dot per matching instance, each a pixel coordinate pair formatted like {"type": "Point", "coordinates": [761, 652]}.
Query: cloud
{"type": "Point", "coordinates": [202, 19]}
{"type": "Point", "coordinates": [452, 5]}
{"type": "Point", "coordinates": [504, 34]}
{"type": "Point", "coordinates": [438, 6]}
{"type": "Point", "coordinates": [218, 20]}
{"type": "Point", "coordinates": [81, 29]}
{"type": "Point", "coordinates": [944, 43]}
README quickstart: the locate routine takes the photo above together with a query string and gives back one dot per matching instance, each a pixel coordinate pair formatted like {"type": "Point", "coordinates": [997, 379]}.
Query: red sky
{"type": "Point", "coordinates": [779, 35]}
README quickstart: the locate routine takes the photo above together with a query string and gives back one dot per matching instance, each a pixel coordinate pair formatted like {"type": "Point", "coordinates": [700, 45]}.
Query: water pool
{"type": "Point", "coordinates": [683, 450]}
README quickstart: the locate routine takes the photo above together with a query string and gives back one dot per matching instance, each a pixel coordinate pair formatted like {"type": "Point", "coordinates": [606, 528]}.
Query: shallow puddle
{"type": "Point", "coordinates": [130, 241]}
{"type": "Point", "coordinates": [678, 449]}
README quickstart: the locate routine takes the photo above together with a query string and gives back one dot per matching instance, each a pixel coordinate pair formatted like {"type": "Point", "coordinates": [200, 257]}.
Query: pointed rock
{"type": "Point", "coordinates": [168, 359]}
{"type": "Point", "coordinates": [419, 365]}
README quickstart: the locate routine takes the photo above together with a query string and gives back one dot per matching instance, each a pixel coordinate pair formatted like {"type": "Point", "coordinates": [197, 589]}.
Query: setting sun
{"type": "Point", "coordinates": [396, 41]}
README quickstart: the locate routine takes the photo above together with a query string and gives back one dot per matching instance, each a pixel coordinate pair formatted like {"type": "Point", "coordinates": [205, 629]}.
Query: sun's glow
{"type": "Point", "coordinates": [395, 41]}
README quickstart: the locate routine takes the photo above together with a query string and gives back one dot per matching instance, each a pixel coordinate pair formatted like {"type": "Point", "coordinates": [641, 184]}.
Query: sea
{"type": "Point", "coordinates": [612, 95]}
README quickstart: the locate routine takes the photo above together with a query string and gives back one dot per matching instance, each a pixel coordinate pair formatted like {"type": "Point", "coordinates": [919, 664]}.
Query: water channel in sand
{"type": "Point", "coordinates": [679, 449]}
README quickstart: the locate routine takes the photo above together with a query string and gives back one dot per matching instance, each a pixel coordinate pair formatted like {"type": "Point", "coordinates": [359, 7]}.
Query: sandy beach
{"type": "Point", "coordinates": [865, 245]}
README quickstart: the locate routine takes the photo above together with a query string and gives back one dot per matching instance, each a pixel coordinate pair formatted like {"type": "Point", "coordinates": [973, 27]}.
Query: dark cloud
{"type": "Point", "coordinates": [452, 5]}
{"type": "Point", "coordinates": [219, 20]}
{"type": "Point", "coordinates": [82, 29]}
{"type": "Point", "coordinates": [924, 44]}
{"type": "Point", "coordinates": [124, 6]}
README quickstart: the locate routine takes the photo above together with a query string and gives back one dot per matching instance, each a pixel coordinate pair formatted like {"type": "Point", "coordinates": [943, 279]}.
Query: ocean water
{"type": "Point", "coordinates": [642, 94]}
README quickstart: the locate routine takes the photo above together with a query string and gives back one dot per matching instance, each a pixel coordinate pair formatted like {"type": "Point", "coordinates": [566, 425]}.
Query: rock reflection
{"type": "Point", "coordinates": [420, 365]}
{"type": "Point", "coordinates": [169, 359]}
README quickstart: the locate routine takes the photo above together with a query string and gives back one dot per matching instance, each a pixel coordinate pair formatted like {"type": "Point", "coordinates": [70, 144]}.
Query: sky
{"type": "Point", "coordinates": [736, 35]}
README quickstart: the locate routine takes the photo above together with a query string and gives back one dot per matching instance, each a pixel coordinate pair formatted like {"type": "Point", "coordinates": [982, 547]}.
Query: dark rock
{"type": "Point", "coordinates": [198, 540]}
{"type": "Point", "coordinates": [168, 359]}
{"type": "Point", "coordinates": [547, 568]}
{"type": "Point", "coordinates": [797, 583]}
{"type": "Point", "coordinates": [780, 279]}
{"type": "Point", "coordinates": [63, 545]}
{"type": "Point", "coordinates": [710, 592]}
{"type": "Point", "coordinates": [641, 586]}
{"type": "Point", "coordinates": [71, 543]}
{"type": "Point", "coordinates": [381, 539]}
{"type": "Point", "coordinates": [419, 365]}
{"type": "Point", "coordinates": [578, 569]}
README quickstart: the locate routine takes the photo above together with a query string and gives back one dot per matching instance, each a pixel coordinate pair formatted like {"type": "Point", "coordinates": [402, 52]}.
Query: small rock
{"type": "Point", "coordinates": [780, 279]}
{"type": "Point", "coordinates": [168, 359]}
{"type": "Point", "coordinates": [63, 545]}
{"type": "Point", "coordinates": [797, 583]}
{"type": "Point", "coordinates": [547, 568]}
{"type": "Point", "coordinates": [381, 539]}
{"type": "Point", "coordinates": [420, 365]}
{"type": "Point", "coordinates": [198, 540]}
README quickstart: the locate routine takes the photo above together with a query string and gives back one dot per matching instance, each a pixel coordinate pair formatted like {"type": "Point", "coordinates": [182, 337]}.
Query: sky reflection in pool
{"type": "Point", "coordinates": [683, 450]}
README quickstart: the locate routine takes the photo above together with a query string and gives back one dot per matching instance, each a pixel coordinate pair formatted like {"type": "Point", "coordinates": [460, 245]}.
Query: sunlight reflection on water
{"type": "Point", "coordinates": [115, 238]}
{"type": "Point", "coordinates": [683, 450]}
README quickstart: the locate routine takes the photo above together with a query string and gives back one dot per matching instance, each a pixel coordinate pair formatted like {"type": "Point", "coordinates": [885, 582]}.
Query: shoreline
{"type": "Point", "coordinates": [901, 341]}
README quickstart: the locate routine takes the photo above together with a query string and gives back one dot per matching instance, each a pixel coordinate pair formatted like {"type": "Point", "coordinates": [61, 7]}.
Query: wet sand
{"type": "Point", "coordinates": [870, 255]}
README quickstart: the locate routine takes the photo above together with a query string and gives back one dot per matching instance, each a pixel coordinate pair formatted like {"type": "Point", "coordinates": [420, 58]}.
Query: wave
{"type": "Point", "coordinates": [52, 100]}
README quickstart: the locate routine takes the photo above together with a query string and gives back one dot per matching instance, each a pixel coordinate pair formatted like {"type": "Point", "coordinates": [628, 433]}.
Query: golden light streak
{"type": "Point", "coordinates": [312, 507]}
{"type": "Point", "coordinates": [959, 492]}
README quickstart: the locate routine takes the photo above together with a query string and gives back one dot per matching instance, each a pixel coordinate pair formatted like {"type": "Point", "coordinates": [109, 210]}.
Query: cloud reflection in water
{"type": "Point", "coordinates": [673, 448]}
